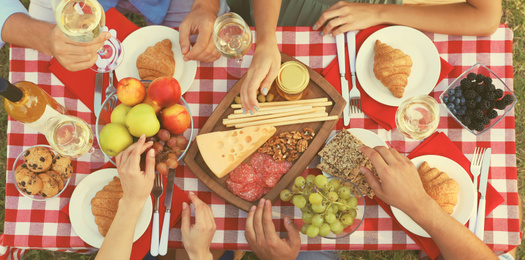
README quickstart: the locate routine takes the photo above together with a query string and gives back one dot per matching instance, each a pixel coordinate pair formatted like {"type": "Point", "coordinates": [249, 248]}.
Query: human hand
{"type": "Point", "coordinates": [400, 184]}
{"type": "Point", "coordinates": [136, 184]}
{"type": "Point", "coordinates": [199, 21]}
{"type": "Point", "coordinates": [262, 238]}
{"type": "Point", "coordinates": [263, 70]}
{"type": "Point", "coordinates": [345, 16]}
{"type": "Point", "coordinates": [197, 237]}
{"type": "Point", "coordinates": [75, 55]}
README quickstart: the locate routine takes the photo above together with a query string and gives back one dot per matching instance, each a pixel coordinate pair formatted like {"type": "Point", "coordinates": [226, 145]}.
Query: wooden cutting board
{"type": "Point", "coordinates": [318, 87]}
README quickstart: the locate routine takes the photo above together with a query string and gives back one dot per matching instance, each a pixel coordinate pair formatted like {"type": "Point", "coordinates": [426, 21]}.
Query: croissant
{"type": "Point", "coordinates": [438, 185]}
{"type": "Point", "coordinates": [157, 61]}
{"type": "Point", "coordinates": [104, 205]}
{"type": "Point", "coordinates": [392, 67]}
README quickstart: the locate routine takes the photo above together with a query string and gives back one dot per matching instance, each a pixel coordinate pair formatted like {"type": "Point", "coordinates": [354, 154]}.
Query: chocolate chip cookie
{"type": "Point", "coordinates": [63, 166]}
{"type": "Point", "coordinates": [27, 180]}
{"type": "Point", "coordinates": [38, 159]}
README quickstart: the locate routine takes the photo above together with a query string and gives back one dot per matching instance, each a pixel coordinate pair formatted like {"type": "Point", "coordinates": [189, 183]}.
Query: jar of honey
{"type": "Point", "coordinates": [292, 80]}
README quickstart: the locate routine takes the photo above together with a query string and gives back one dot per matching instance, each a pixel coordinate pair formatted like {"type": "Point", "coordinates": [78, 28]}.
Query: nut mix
{"type": "Point", "coordinates": [288, 145]}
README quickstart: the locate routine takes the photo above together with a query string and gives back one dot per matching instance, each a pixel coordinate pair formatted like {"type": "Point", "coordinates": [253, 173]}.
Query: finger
{"type": "Point", "coordinates": [257, 221]}
{"type": "Point", "coordinates": [150, 164]}
{"type": "Point", "coordinates": [325, 16]}
{"type": "Point", "coordinates": [268, 226]}
{"type": "Point", "coordinates": [398, 156]}
{"type": "Point", "coordinates": [268, 80]}
{"type": "Point", "coordinates": [137, 150]}
{"type": "Point", "coordinates": [198, 206]}
{"type": "Point", "coordinates": [332, 24]}
{"type": "Point", "coordinates": [386, 154]}
{"type": "Point", "coordinates": [249, 233]}
{"type": "Point", "coordinates": [210, 54]}
{"type": "Point", "coordinates": [345, 27]}
{"type": "Point", "coordinates": [376, 159]}
{"type": "Point", "coordinates": [146, 146]}
{"type": "Point", "coordinates": [83, 63]}
{"type": "Point", "coordinates": [184, 38]}
{"type": "Point", "coordinates": [294, 239]}
{"type": "Point", "coordinates": [200, 48]}
{"type": "Point", "coordinates": [372, 181]}
{"type": "Point", "coordinates": [117, 159]}
{"type": "Point", "coordinates": [185, 221]}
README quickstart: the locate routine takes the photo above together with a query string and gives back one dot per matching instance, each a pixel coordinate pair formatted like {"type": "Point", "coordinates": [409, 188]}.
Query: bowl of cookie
{"type": "Point", "coordinates": [40, 173]}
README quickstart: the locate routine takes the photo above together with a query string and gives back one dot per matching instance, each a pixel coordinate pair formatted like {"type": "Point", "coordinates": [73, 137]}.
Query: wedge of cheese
{"type": "Point", "coordinates": [223, 151]}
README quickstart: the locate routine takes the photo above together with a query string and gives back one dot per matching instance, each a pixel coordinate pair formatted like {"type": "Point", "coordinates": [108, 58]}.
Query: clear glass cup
{"type": "Point", "coordinates": [418, 117]}
{"type": "Point", "coordinates": [69, 136]}
{"type": "Point", "coordinates": [83, 21]}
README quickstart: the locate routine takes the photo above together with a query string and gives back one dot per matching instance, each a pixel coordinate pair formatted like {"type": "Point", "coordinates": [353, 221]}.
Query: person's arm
{"type": "Point", "coordinates": [267, 58]}
{"type": "Point", "coordinates": [473, 17]}
{"type": "Point", "coordinates": [262, 237]}
{"type": "Point", "coordinates": [136, 186]}
{"type": "Point", "coordinates": [401, 187]}
{"type": "Point", "coordinates": [197, 237]}
{"type": "Point", "coordinates": [200, 21]}
{"type": "Point", "coordinates": [9, 8]}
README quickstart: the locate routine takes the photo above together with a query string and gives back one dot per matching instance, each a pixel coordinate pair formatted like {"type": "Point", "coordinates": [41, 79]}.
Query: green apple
{"type": "Point", "coordinates": [141, 119]}
{"type": "Point", "coordinates": [114, 138]}
{"type": "Point", "coordinates": [119, 114]}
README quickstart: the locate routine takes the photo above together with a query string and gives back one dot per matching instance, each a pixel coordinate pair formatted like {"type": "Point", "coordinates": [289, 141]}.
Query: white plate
{"type": "Point", "coordinates": [82, 219]}
{"type": "Point", "coordinates": [368, 138]}
{"type": "Point", "coordinates": [425, 58]}
{"type": "Point", "coordinates": [137, 42]}
{"type": "Point", "coordinates": [466, 196]}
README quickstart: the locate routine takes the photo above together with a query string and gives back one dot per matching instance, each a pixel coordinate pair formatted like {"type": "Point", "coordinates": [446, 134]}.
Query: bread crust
{"type": "Point", "coordinates": [157, 61]}
{"type": "Point", "coordinates": [439, 186]}
{"type": "Point", "coordinates": [104, 205]}
{"type": "Point", "coordinates": [392, 67]}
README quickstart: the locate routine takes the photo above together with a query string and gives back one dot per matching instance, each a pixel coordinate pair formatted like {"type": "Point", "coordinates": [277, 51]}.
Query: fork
{"type": "Point", "coordinates": [475, 169]}
{"type": "Point", "coordinates": [355, 95]}
{"type": "Point", "coordinates": [355, 98]}
{"type": "Point", "coordinates": [157, 192]}
{"type": "Point", "coordinates": [110, 104]}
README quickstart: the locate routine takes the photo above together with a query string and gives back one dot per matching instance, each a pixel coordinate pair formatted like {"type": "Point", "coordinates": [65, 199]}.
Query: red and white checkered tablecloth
{"type": "Point", "coordinates": [40, 225]}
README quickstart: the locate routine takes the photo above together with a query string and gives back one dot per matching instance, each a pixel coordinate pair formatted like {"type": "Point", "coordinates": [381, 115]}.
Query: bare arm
{"type": "Point", "coordinates": [473, 17]}
{"type": "Point", "coordinates": [401, 187]}
{"type": "Point", "coordinates": [266, 59]}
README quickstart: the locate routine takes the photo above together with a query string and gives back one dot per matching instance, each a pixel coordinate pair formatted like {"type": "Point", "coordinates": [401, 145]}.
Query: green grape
{"type": "Point", "coordinates": [335, 208]}
{"type": "Point", "coordinates": [321, 181]}
{"type": "Point", "coordinates": [286, 195]}
{"type": "Point", "coordinates": [329, 209]}
{"type": "Point", "coordinates": [324, 230]}
{"type": "Point", "coordinates": [296, 188]}
{"type": "Point", "coordinates": [300, 181]}
{"type": "Point", "coordinates": [342, 205]}
{"type": "Point", "coordinates": [345, 192]}
{"type": "Point", "coordinates": [336, 227]}
{"type": "Point", "coordinates": [317, 220]}
{"type": "Point", "coordinates": [312, 231]}
{"type": "Point", "coordinates": [332, 196]}
{"type": "Point", "coordinates": [319, 208]}
{"type": "Point", "coordinates": [310, 179]}
{"type": "Point", "coordinates": [334, 184]}
{"type": "Point", "coordinates": [347, 219]}
{"type": "Point", "coordinates": [352, 212]}
{"type": "Point", "coordinates": [304, 228]}
{"type": "Point", "coordinates": [305, 209]}
{"type": "Point", "coordinates": [307, 218]}
{"type": "Point", "coordinates": [299, 201]}
{"type": "Point", "coordinates": [330, 218]}
{"type": "Point", "coordinates": [352, 202]}
{"type": "Point", "coordinates": [315, 198]}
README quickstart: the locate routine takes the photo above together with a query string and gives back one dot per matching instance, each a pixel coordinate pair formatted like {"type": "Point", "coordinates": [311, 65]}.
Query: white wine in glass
{"type": "Point", "coordinates": [232, 36]}
{"type": "Point", "coordinates": [83, 21]}
{"type": "Point", "coordinates": [418, 117]}
{"type": "Point", "coordinates": [69, 136]}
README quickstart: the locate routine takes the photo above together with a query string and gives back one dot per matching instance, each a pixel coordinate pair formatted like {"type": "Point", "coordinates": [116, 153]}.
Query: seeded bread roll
{"type": "Point", "coordinates": [157, 61]}
{"type": "Point", "coordinates": [104, 205]}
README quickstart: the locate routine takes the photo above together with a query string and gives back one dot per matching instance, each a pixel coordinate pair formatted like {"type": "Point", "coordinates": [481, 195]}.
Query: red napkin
{"type": "Point", "coordinates": [142, 246]}
{"type": "Point", "coordinates": [440, 144]}
{"type": "Point", "coordinates": [382, 114]}
{"type": "Point", "coordinates": [82, 83]}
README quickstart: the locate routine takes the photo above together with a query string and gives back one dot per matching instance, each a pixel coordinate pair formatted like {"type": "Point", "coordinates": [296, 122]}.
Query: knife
{"type": "Point", "coordinates": [350, 38]}
{"type": "Point", "coordinates": [340, 44]}
{"type": "Point", "coordinates": [99, 81]}
{"type": "Point", "coordinates": [480, 221]}
{"type": "Point", "coordinates": [163, 245]}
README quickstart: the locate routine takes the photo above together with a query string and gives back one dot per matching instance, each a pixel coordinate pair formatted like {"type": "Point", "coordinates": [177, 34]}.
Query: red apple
{"type": "Point", "coordinates": [164, 92]}
{"type": "Point", "coordinates": [131, 91]}
{"type": "Point", "coordinates": [175, 119]}
{"type": "Point", "coordinates": [149, 102]}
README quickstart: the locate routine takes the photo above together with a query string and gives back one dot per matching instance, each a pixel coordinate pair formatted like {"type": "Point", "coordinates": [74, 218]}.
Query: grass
{"type": "Point", "coordinates": [513, 17]}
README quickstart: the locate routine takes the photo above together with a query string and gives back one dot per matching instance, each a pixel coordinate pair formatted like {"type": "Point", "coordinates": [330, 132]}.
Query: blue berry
{"type": "Point", "coordinates": [457, 101]}
{"type": "Point", "coordinates": [451, 106]}
{"type": "Point", "coordinates": [451, 98]}
{"type": "Point", "coordinates": [462, 101]}
{"type": "Point", "coordinates": [445, 99]}
{"type": "Point", "coordinates": [454, 111]}
{"type": "Point", "coordinates": [451, 92]}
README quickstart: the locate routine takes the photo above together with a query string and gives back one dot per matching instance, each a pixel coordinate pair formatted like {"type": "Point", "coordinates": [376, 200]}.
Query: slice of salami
{"type": "Point", "coordinates": [257, 162]}
{"type": "Point", "coordinates": [252, 192]}
{"type": "Point", "coordinates": [244, 173]}
{"type": "Point", "coordinates": [270, 180]}
{"type": "Point", "coordinates": [278, 168]}
{"type": "Point", "coordinates": [266, 190]}
{"type": "Point", "coordinates": [234, 187]}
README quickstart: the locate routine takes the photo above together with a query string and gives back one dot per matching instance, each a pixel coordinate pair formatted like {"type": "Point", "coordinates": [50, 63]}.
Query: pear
{"type": "Point", "coordinates": [114, 138]}
{"type": "Point", "coordinates": [119, 114]}
{"type": "Point", "coordinates": [141, 119]}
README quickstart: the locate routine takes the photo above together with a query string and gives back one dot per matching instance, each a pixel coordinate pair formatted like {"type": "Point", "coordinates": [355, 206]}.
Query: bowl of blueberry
{"type": "Point", "coordinates": [478, 99]}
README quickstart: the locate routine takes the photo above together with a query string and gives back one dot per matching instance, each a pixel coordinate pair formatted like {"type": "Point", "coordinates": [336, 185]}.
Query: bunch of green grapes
{"type": "Point", "coordinates": [327, 206]}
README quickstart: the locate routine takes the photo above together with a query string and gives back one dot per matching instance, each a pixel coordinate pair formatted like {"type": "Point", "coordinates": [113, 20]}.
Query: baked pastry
{"type": "Point", "coordinates": [57, 178]}
{"type": "Point", "coordinates": [104, 205]}
{"type": "Point", "coordinates": [63, 166]}
{"type": "Point", "coordinates": [342, 158]}
{"type": "Point", "coordinates": [392, 67]}
{"type": "Point", "coordinates": [38, 159]}
{"type": "Point", "coordinates": [49, 186]}
{"type": "Point", "coordinates": [27, 180]}
{"type": "Point", "coordinates": [157, 61]}
{"type": "Point", "coordinates": [438, 185]}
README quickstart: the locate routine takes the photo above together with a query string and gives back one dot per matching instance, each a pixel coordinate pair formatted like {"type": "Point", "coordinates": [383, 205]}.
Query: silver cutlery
{"type": "Point", "coordinates": [355, 95]}
{"type": "Point", "coordinates": [97, 98]}
{"type": "Point", "coordinates": [112, 103]}
{"type": "Point", "coordinates": [475, 169]}
{"type": "Point", "coordinates": [163, 247]}
{"type": "Point", "coordinates": [480, 220]}
{"type": "Point", "coordinates": [157, 192]}
{"type": "Point", "coordinates": [340, 44]}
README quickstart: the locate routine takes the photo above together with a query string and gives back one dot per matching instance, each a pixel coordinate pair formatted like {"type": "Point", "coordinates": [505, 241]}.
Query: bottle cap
{"type": "Point", "coordinates": [293, 77]}
{"type": "Point", "coordinates": [9, 91]}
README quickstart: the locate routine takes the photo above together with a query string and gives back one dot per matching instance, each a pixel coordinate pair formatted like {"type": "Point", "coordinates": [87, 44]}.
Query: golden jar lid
{"type": "Point", "coordinates": [293, 77]}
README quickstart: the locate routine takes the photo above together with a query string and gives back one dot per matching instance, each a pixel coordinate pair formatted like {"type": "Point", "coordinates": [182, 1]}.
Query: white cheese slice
{"type": "Point", "coordinates": [223, 151]}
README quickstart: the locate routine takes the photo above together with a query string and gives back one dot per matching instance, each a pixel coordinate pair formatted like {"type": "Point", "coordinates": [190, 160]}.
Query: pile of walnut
{"type": "Point", "coordinates": [287, 145]}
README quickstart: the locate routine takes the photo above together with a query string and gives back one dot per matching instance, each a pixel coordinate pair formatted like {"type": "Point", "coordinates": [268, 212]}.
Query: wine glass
{"type": "Point", "coordinates": [83, 21]}
{"type": "Point", "coordinates": [418, 117]}
{"type": "Point", "coordinates": [69, 136]}
{"type": "Point", "coordinates": [233, 39]}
